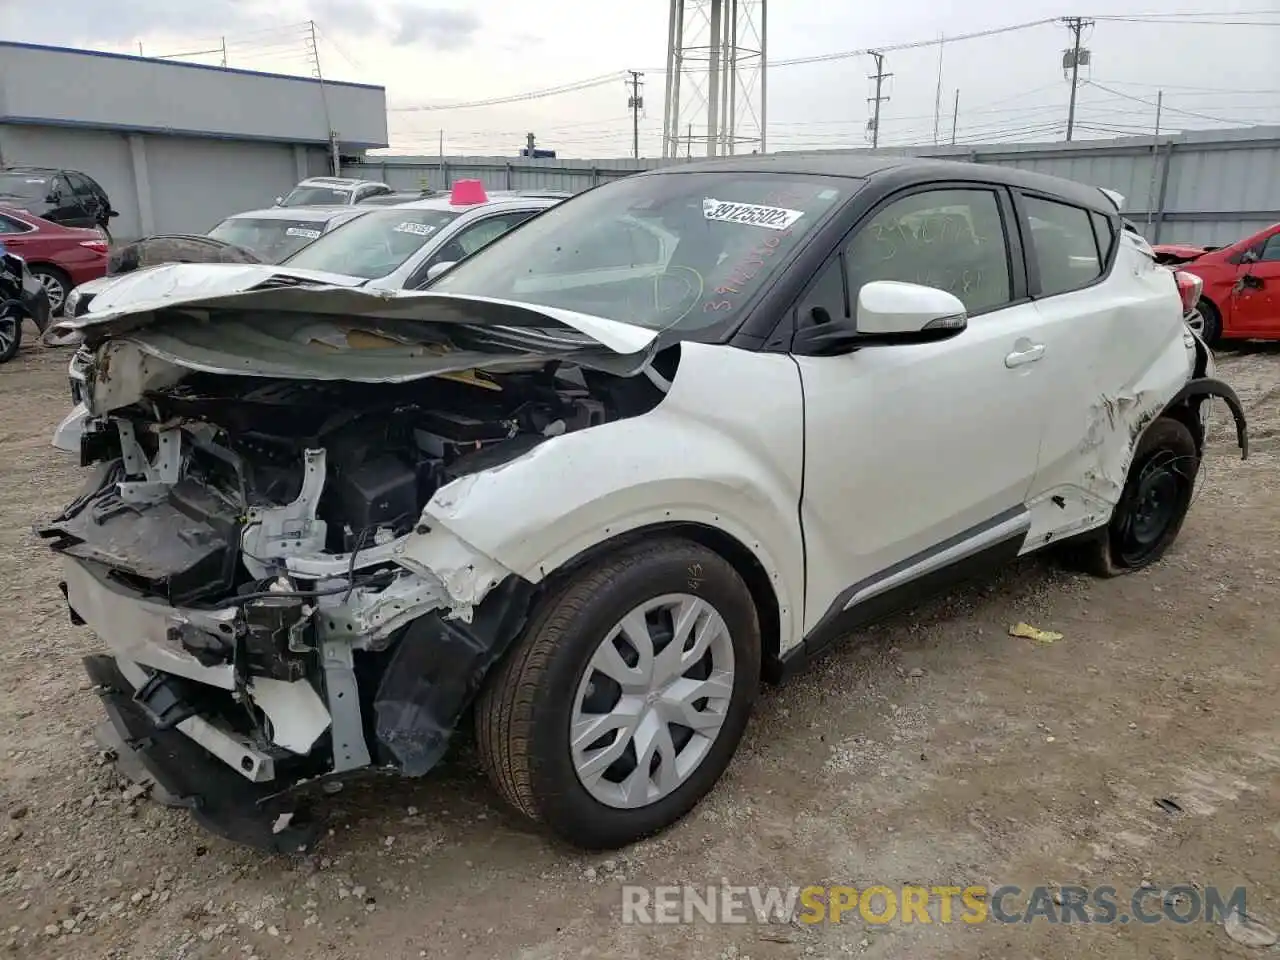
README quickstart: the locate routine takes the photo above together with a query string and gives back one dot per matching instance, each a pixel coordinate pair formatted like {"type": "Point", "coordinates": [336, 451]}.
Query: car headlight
{"type": "Point", "coordinates": [69, 305]}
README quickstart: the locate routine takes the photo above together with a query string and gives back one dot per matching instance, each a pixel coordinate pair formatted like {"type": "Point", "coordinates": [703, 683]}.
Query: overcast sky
{"type": "Point", "coordinates": [430, 52]}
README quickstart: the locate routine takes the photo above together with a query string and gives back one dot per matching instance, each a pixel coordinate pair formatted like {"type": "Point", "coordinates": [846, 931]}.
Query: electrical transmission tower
{"type": "Point", "coordinates": [1072, 60]}
{"type": "Point", "coordinates": [879, 77]}
{"type": "Point", "coordinates": [716, 75]}
{"type": "Point", "coordinates": [635, 103]}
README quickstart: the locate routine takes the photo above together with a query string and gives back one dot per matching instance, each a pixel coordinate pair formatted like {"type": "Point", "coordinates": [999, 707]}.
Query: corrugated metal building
{"type": "Point", "coordinates": [1206, 186]}
{"type": "Point", "coordinates": [178, 146]}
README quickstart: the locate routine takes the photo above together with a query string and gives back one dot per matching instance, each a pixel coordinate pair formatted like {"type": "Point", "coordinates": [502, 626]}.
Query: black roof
{"type": "Point", "coordinates": [23, 168]}
{"type": "Point", "coordinates": [901, 171]}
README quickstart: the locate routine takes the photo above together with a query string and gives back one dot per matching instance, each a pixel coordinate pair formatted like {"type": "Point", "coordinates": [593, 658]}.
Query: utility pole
{"type": "Point", "coordinates": [955, 117]}
{"type": "Point", "coordinates": [688, 144]}
{"type": "Point", "coordinates": [1155, 158]}
{"type": "Point", "coordinates": [937, 97]}
{"type": "Point", "coordinates": [530, 141]}
{"type": "Point", "coordinates": [879, 77]}
{"type": "Point", "coordinates": [224, 52]}
{"type": "Point", "coordinates": [1073, 59]}
{"type": "Point", "coordinates": [635, 103]}
{"type": "Point", "coordinates": [313, 50]}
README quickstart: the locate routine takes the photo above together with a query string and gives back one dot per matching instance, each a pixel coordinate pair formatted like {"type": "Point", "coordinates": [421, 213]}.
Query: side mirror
{"type": "Point", "coordinates": [436, 269]}
{"type": "Point", "coordinates": [889, 313]}
{"type": "Point", "coordinates": [1249, 256]}
{"type": "Point", "coordinates": [53, 198]}
{"type": "Point", "coordinates": [279, 201]}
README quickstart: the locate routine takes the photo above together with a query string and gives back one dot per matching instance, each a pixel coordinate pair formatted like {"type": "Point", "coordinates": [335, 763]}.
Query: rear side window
{"type": "Point", "coordinates": [1105, 234]}
{"type": "Point", "coordinates": [1065, 248]}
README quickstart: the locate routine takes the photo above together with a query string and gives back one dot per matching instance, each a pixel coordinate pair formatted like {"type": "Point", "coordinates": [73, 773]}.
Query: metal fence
{"type": "Point", "coordinates": [1207, 186]}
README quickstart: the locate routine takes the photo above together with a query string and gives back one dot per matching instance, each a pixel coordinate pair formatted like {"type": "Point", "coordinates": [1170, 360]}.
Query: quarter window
{"type": "Point", "coordinates": [1105, 234]}
{"type": "Point", "coordinates": [1064, 246]}
{"type": "Point", "coordinates": [1270, 250]}
{"type": "Point", "coordinates": [953, 240]}
{"type": "Point", "coordinates": [9, 225]}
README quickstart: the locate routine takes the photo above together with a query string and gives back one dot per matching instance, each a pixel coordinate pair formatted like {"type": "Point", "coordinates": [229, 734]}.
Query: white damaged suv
{"type": "Point", "coordinates": [675, 435]}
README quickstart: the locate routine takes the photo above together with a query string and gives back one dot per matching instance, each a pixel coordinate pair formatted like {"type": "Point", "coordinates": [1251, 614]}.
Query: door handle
{"type": "Point", "coordinates": [1029, 355]}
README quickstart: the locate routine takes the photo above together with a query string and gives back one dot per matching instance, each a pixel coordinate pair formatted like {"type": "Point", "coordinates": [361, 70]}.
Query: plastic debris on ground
{"type": "Point", "coordinates": [1033, 633]}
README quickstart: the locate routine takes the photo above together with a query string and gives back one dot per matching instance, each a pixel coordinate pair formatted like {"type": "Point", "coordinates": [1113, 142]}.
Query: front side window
{"type": "Point", "coordinates": [268, 238]}
{"type": "Point", "coordinates": [374, 244]}
{"type": "Point", "coordinates": [671, 250]}
{"type": "Point", "coordinates": [1064, 246]}
{"type": "Point", "coordinates": [952, 240]}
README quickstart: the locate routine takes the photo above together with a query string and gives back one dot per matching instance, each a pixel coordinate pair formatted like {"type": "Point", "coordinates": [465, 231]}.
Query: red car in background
{"type": "Point", "coordinates": [59, 257]}
{"type": "Point", "coordinates": [1241, 295]}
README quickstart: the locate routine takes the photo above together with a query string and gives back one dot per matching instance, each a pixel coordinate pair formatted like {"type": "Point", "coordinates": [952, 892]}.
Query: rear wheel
{"type": "Point", "coordinates": [626, 698]}
{"type": "Point", "coordinates": [56, 285]}
{"type": "Point", "coordinates": [1152, 507]}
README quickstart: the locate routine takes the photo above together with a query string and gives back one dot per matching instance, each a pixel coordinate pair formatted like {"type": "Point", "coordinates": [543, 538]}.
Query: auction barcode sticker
{"type": "Point", "coordinates": [773, 218]}
{"type": "Point", "coordinates": [304, 232]}
{"type": "Point", "coordinates": [418, 229]}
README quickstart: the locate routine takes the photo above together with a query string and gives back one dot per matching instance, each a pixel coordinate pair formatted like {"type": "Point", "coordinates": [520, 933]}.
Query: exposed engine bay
{"type": "Point", "coordinates": [237, 546]}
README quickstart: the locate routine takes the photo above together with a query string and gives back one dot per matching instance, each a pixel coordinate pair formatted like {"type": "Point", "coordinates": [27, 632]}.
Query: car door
{"type": "Point", "coordinates": [918, 458]}
{"type": "Point", "coordinates": [87, 199]}
{"type": "Point", "coordinates": [64, 207]}
{"type": "Point", "coordinates": [1255, 298]}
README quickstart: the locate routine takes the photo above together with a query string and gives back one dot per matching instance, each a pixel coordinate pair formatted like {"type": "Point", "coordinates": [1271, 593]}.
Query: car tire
{"type": "Point", "coordinates": [1211, 322]}
{"type": "Point", "coordinates": [53, 280]}
{"type": "Point", "coordinates": [10, 338]}
{"type": "Point", "coordinates": [548, 686]}
{"type": "Point", "coordinates": [1152, 507]}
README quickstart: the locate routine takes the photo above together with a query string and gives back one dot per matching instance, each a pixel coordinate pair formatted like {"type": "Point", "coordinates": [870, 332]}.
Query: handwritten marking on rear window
{"type": "Point", "coordinates": [418, 229]}
{"type": "Point", "coordinates": [304, 232]}
{"type": "Point", "coordinates": [751, 214]}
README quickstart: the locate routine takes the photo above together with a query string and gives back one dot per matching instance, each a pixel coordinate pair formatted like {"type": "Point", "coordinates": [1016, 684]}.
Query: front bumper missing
{"type": "Point", "coordinates": [183, 774]}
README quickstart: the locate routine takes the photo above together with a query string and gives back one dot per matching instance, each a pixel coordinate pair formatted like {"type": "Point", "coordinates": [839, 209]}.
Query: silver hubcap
{"type": "Point", "coordinates": [652, 700]}
{"type": "Point", "coordinates": [53, 287]}
{"type": "Point", "coordinates": [1195, 320]}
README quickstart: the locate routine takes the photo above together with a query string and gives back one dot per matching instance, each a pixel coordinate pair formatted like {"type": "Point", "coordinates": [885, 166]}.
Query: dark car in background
{"type": "Point", "coordinates": [68, 197]}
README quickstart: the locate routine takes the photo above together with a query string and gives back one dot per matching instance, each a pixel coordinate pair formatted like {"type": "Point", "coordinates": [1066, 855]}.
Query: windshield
{"type": "Point", "coordinates": [26, 185]}
{"type": "Point", "coordinates": [268, 238]}
{"type": "Point", "coordinates": [315, 196]}
{"type": "Point", "coordinates": [375, 244]}
{"type": "Point", "coordinates": [683, 251]}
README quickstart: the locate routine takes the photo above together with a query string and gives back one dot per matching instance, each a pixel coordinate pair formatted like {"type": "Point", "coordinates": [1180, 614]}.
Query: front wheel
{"type": "Point", "coordinates": [623, 703]}
{"type": "Point", "coordinates": [1152, 507]}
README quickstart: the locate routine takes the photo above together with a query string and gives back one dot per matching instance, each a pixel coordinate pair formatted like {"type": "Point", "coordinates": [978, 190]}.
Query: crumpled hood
{"type": "Point", "coordinates": [210, 290]}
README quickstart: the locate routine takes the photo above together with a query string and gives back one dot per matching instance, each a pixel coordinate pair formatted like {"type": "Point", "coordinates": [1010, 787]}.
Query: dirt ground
{"type": "Point", "coordinates": [934, 750]}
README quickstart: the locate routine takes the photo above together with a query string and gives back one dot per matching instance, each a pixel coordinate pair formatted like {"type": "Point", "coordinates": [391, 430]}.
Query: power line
{"type": "Point", "coordinates": [515, 97]}
{"type": "Point", "coordinates": [1188, 113]}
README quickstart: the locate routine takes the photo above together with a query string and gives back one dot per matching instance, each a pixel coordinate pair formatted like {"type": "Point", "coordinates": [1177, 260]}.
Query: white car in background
{"type": "Point", "coordinates": [315, 191]}
{"type": "Point", "coordinates": [267, 236]}
{"type": "Point", "coordinates": [592, 485]}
